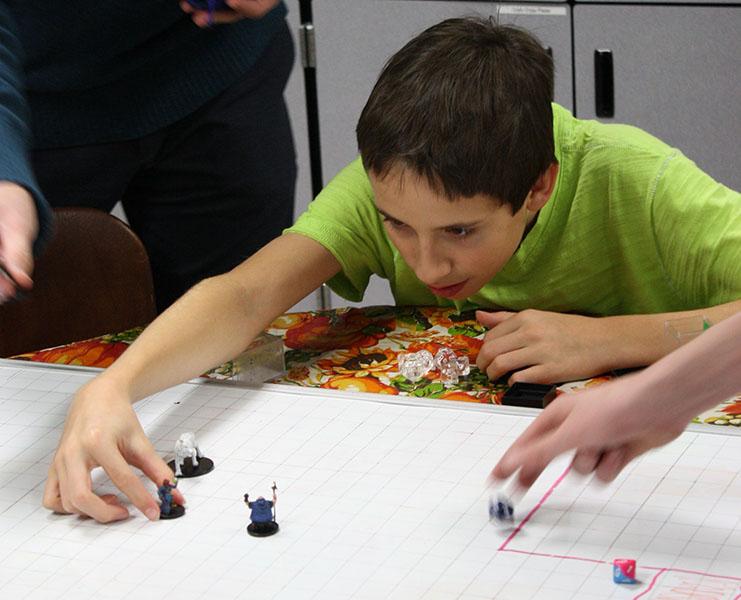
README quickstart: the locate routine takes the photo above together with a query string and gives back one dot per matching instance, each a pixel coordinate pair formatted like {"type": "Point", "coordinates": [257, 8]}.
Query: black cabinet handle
{"type": "Point", "coordinates": [604, 85]}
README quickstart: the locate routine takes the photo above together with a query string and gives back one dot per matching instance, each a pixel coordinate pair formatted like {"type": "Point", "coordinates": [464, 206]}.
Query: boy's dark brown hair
{"type": "Point", "coordinates": [467, 106]}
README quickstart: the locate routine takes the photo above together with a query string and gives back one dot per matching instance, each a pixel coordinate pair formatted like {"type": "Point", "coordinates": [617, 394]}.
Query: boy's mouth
{"type": "Point", "coordinates": [449, 291]}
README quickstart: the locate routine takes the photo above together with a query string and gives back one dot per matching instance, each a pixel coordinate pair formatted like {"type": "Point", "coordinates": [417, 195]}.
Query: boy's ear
{"type": "Point", "coordinates": [543, 188]}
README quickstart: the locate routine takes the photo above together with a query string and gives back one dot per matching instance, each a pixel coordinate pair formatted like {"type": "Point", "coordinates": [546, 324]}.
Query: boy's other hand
{"type": "Point", "coordinates": [102, 430]}
{"type": "Point", "coordinates": [18, 228]}
{"type": "Point", "coordinates": [240, 9]}
{"type": "Point", "coordinates": [541, 347]}
{"type": "Point", "coordinates": [608, 426]}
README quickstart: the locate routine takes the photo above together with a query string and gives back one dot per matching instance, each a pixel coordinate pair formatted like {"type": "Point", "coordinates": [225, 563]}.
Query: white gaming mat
{"type": "Point", "coordinates": [378, 497]}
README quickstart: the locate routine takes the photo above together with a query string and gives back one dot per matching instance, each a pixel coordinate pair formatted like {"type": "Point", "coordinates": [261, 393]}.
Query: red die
{"type": "Point", "coordinates": [624, 570]}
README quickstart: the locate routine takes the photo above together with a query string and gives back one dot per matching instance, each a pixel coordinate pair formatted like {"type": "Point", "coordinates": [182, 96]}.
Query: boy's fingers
{"type": "Point", "coordinates": [65, 496]}
{"type": "Point", "coordinates": [499, 356]}
{"type": "Point", "coordinates": [52, 498]}
{"type": "Point", "coordinates": [492, 319]}
{"type": "Point", "coordinates": [127, 481]}
{"type": "Point", "coordinates": [156, 469]}
{"type": "Point", "coordinates": [532, 374]}
{"type": "Point", "coordinates": [81, 498]}
{"type": "Point", "coordinates": [111, 499]}
{"type": "Point", "coordinates": [506, 363]}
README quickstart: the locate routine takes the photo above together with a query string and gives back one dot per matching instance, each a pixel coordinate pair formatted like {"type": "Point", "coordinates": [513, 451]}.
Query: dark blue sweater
{"type": "Point", "coordinates": [78, 72]}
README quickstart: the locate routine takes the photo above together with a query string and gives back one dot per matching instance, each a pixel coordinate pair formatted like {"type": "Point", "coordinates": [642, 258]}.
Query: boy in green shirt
{"type": "Point", "coordinates": [473, 190]}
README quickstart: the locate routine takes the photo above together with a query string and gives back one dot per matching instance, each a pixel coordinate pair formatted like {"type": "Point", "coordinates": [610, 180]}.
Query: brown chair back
{"type": "Point", "coordinates": [93, 278]}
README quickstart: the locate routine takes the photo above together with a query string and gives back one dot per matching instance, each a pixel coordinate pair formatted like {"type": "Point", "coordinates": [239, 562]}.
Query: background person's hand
{"type": "Point", "coordinates": [239, 9]}
{"type": "Point", "coordinates": [540, 346]}
{"type": "Point", "coordinates": [102, 430]}
{"type": "Point", "coordinates": [18, 229]}
{"type": "Point", "coordinates": [611, 424]}
{"type": "Point", "coordinates": [608, 426]}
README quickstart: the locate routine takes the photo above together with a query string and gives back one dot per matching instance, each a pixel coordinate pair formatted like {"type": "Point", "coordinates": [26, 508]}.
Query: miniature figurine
{"type": "Point", "coordinates": [169, 509]}
{"type": "Point", "coordinates": [187, 448]}
{"type": "Point", "coordinates": [262, 515]}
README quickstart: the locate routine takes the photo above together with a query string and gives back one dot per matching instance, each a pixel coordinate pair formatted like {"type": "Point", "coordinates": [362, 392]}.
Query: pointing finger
{"type": "Point", "coordinates": [156, 469]}
{"type": "Point", "coordinates": [129, 483]}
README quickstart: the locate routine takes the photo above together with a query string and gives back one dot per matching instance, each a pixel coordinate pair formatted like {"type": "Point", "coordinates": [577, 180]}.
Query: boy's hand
{"type": "Point", "coordinates": [102, 430]}
{"type": "Point", "coordinates": [18, 228]}
{"type": "Point", "coordinates": [608, 425]}
{"type": "Point", "coordinates": [541, 347]}
{"type": "Point", "coordinates": [240, 9]}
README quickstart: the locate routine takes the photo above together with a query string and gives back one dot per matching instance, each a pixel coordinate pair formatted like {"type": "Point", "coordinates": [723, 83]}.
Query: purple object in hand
{"type": "Point", "coordinates": [210, 5]}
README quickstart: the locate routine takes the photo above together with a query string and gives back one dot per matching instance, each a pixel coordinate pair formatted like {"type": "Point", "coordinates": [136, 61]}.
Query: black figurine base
{"type": "Point", "coordinates": [262, 529]}
{"type": "Point", "coordinates": [176, 511]}
{"type": "Point", "coordinates": [529, 395]}
{"type": "Point", "coordinates": [205, 465]}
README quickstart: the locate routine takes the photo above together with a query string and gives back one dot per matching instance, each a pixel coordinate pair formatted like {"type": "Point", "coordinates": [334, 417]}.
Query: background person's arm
{"type": "Point", "coordinates": [209, 325]}
{"type": "Point", "coordinates": [610, 425]}
{"type": "Point", "coordinates": [23, 212]}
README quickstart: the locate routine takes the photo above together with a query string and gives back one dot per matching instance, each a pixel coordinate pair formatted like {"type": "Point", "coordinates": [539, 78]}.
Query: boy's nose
{"type": "Point", "coordinates": [432, 267]}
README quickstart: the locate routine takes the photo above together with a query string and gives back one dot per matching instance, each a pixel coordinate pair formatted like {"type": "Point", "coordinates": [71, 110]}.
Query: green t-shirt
{"type": "Point", "coordinates": [632, 227]}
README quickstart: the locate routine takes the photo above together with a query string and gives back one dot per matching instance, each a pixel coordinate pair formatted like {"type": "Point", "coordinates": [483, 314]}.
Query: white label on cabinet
{"type": "Point", "coordinates": [521, 9]}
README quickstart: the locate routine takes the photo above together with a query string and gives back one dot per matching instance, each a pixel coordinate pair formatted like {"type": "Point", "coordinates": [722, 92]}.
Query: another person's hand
{"type": "Point", "coordinates": [611, 424]}
{"type": "Point", "coordinates": [541, 347]}
{"type": "Point", "coordinates": [608, 426]}
{"type": "Point", "coordinates": [239, 9]}
{"type": "Point", "coordinates": [18, 229]}
{"type": "Point", "coordinates": [102, 430]}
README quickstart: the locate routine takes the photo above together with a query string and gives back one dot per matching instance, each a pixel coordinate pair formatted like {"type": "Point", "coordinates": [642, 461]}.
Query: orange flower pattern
{"type": "Point", "coordinates": [356, 349]}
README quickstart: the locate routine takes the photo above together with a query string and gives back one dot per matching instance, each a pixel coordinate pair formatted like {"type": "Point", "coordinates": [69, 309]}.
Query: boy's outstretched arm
{"type": "Point", "coordinates": [547, 347]}
{"type": "Point", "coordinates": [209, 325]}
{"type": "Point", "coordinates": [612, 424]}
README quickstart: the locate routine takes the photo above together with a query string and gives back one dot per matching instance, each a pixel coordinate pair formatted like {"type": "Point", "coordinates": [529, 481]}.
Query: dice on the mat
{"type": "Point", "coordinates": [624, 570]}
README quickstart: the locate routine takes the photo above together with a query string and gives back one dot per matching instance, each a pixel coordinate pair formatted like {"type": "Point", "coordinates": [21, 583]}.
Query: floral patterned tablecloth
{"type": "Point", "coordinates": [356, 349]}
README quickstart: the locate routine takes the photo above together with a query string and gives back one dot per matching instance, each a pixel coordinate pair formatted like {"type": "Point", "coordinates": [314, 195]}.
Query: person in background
{"type": "Point", "coordinates": [149, 104]}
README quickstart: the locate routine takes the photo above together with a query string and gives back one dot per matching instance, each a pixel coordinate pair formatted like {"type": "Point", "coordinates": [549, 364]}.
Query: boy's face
{"type": "Point", "coordinates": [454, 248]}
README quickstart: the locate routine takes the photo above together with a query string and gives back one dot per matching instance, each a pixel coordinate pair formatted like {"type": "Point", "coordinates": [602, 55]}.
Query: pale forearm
{"type": "Point", "coordinates": [700, 374]}
{"type": "Point", "coordinates": [211, 324]}
{"type": "Point", "coordinates": [639, 340]}
{"type": "Point", "coordinates": [220, 316]}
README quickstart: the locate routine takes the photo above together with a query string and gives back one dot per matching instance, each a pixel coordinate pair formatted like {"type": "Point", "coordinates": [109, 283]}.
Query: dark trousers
{"type": "Point", "coordinates": [204, 193]}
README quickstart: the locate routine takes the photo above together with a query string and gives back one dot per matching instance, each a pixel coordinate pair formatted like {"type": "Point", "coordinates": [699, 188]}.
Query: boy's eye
{"type": "Point", "coordinates": [393, 222]}
{"type": "Point", "coordinates": [460, 232]}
